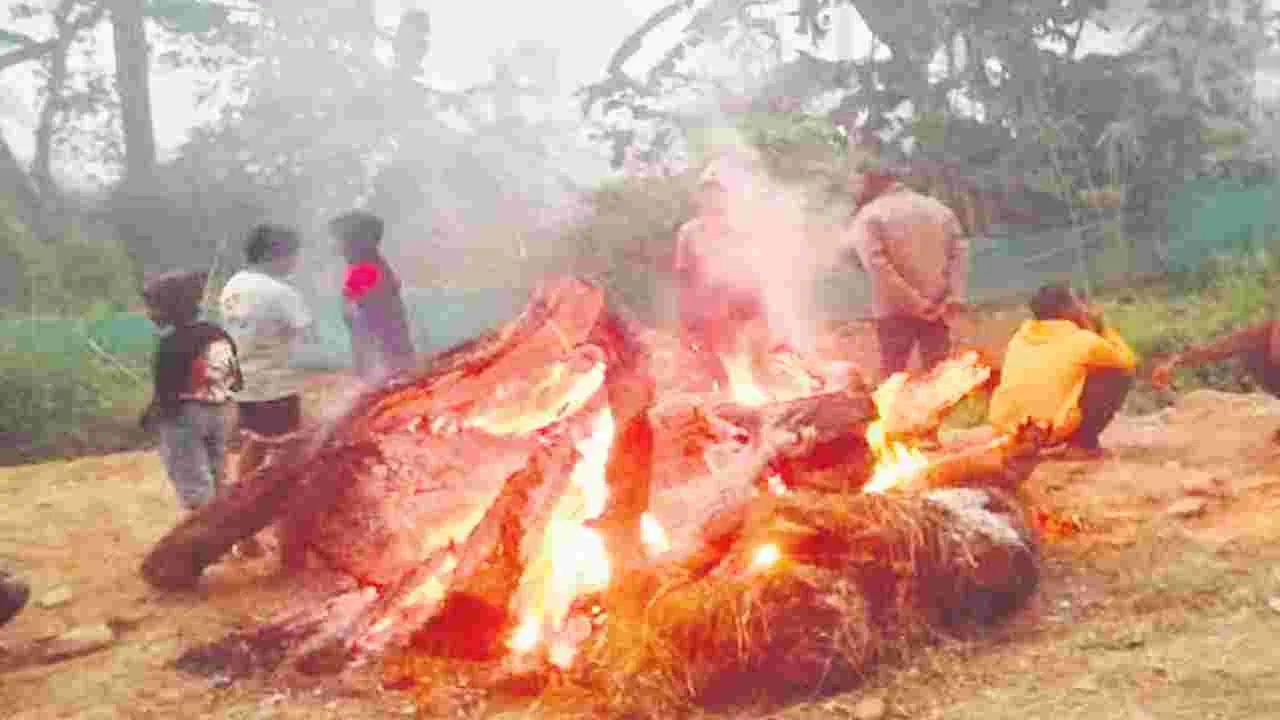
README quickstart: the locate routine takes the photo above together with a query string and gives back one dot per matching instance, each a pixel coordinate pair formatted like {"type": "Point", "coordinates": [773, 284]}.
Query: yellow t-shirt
{"type": "Point", "coordinates": [1044, 372]}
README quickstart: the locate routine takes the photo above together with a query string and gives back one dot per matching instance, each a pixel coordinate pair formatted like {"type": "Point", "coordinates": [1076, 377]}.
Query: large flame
{"type": "Point", "coordinates": [574, 559]}
{"type": "Point", "coordinates": [760, 378]}
{"type": "Point", "coordinates": [896, 462]}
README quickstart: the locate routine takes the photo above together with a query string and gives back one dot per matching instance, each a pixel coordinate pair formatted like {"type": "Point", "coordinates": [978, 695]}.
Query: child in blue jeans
{"type": "Point", "coordinates": [196, 374]}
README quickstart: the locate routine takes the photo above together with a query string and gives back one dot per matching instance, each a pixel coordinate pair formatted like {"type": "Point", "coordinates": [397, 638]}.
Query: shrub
{"type": "Point", "coordinates": [61, 394]}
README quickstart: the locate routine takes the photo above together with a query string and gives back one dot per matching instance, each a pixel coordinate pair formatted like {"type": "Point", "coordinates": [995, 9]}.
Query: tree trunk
{"type": "Point", "coordinates": [42, 164]}
{"type": "Point", "coordinates": [15, 183]}
{"type": "Point", "coordinates": [133, 72]}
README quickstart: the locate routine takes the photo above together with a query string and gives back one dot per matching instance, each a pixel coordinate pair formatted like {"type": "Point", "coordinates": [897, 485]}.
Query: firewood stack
{"type": "Point", "coordinates": [534, 499]}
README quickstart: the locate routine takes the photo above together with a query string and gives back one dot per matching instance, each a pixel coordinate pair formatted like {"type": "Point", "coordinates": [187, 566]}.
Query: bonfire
{"type": "Point", "coordinates": [545, 505]}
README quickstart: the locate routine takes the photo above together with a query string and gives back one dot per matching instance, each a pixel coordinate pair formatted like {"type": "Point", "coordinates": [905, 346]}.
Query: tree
{"type": "Point", "coordinates": [133, 73]}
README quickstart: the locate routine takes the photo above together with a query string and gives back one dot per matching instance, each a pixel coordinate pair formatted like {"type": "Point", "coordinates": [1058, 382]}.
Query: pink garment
{"type": "Point", "coordinates": [914, 251]}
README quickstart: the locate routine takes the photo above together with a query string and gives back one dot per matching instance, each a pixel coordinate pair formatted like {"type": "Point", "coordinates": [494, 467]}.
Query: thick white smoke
{"type": "Point", "coordinates": [780, 245]}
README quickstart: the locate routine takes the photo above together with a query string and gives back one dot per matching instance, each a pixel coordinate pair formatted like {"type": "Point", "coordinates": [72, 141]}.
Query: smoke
{"type": "Point", "coordinates": [782, 241]}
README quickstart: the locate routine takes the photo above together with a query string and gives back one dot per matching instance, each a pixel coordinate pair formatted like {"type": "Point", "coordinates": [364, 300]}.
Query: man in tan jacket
{"type": "Point", "coordinates": [916, 254]}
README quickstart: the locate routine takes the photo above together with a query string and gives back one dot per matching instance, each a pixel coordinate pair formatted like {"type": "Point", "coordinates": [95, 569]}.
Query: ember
{"type": "Point", "coordinates": [765, 557]}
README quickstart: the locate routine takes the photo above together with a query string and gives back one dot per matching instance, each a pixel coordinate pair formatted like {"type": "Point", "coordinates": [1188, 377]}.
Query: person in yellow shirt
{"type": "Point", "coordinates": [1066, 370]}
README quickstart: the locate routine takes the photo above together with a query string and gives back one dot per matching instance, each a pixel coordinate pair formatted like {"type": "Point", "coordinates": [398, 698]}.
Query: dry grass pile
{"type": "Point", "coordinates": [858, 579]}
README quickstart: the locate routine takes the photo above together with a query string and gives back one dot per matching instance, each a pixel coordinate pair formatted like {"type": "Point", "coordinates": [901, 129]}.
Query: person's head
{"type": "Point", "coordinates": [275, 247]}
{"type": "Point", "coordinates": [358, 234]}
{"type": "Point", "coordinates": [173, 299]}
{"type": "Point", "coordinates": [870, 180]}
{"type": "Point", "coordinates": [1059, 302]}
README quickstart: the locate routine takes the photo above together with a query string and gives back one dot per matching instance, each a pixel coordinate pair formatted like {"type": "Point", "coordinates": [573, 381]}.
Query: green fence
{"type": "Point", "coordinates": [1210, 216]}
{"type": "Point", "coordinates": [438, 318]}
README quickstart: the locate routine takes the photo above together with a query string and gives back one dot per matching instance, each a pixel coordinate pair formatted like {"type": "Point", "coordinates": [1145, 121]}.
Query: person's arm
{"type": "Point", "coordinates": [222, 369]}
{"type": "Point", "coordinates": [1263, 336]}
{"type": "Point", "coordinates": [1107, 350]}
{"type": "Point", "coordinates": [684, 265]}
{"type": "Point", "coordinates": [876, 259]}
{"type": "Point", "coordinates": [957, 272]}
{"type": "Point", "coordinates": [296, 316]}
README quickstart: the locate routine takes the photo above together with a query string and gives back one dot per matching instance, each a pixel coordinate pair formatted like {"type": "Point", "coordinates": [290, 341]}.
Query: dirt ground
{"type": "Point", "coordinates": [1162, 603]}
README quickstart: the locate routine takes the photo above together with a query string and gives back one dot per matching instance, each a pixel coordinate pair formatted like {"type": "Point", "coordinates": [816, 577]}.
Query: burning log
{"type": "Point", "coordinates": [182, 555]}
{"type": "Point", "coordinates": [437, 426]}
{"type": "Point", "coordinates": [482, 507]}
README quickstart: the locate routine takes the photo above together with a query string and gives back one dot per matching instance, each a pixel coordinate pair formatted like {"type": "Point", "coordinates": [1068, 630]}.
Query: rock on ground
{"type": "Point", "coordinates": [80, 640]}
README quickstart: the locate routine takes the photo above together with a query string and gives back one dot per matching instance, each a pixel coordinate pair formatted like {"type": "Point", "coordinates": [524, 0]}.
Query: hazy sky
{"type": "Point", "coordinates": [465, 36]}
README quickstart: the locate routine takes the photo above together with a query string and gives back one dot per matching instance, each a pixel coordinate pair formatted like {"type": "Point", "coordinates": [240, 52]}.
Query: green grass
{"type": "Point", "coordinates": [1186, 310]}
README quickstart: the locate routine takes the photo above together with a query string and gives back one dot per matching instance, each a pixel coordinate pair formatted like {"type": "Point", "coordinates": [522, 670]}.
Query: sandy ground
{"type": "Point", "coordinates": [1165, 603]}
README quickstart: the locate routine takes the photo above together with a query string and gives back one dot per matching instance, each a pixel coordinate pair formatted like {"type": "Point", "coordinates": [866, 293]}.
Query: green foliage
{"type": "Point", "coordinates": [187, 16]}
{"type": "Point", "coordinates": [61, 393]}
{"type": "Point", "coordinates": [62, 397]}
{"type": "Point", "coordinates": [627, 241]}
{"type": "Point", "coordinates": [1226, 294]}
{"type": "Point", "coordinates": [67, 276]}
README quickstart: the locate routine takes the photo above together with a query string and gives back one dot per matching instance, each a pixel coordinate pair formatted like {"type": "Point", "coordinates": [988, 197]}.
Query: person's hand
{"type": "Point", "coordinates": [1095, 319]}
{"type": "Point", "coordinates": [945, 311]}
{"type": "Point", "coordinates": [1162, 376]}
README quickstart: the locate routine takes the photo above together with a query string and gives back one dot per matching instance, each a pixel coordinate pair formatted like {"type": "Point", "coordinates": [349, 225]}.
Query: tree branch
{"type": "Point", "coordinates": [34, 50]}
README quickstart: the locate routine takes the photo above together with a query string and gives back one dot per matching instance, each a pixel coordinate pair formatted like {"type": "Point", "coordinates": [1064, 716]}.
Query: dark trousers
{"type": "Point", "coordinates": [899, 334]}
{"type": "Point", "coordinates": [1263, 371]}
{"type": "Point", "coordinates": [1104, 393]}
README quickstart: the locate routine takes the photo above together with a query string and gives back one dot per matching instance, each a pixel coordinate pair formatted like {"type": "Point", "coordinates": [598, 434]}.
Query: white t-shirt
{"type": "Point", "coordinates": [265, 317]}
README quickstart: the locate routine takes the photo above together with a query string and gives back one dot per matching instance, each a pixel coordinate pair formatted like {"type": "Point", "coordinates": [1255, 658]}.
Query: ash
{"type": "Point", "coordinates": [969, 506]}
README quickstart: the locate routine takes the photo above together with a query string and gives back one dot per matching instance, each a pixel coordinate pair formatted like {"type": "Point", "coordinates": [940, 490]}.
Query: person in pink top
{"type": "Point", "coordinates": [916, 255]}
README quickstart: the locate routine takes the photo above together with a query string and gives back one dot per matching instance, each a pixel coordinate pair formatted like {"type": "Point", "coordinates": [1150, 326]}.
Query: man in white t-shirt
{"type": "Point", "coordinates": [266, 316]}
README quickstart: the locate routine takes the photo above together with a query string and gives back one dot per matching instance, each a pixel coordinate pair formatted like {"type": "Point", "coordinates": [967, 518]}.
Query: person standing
{"type": "Point", "coordinates": [372, 307]}
{"type": "Point", "coordinates": [196, 374]}
{"type": "Point", "coordinates": [266, 316]}
{"type": "Point", "coordinates": [720, 310]}
{"type": "Point", "coordinates": [916, 255]}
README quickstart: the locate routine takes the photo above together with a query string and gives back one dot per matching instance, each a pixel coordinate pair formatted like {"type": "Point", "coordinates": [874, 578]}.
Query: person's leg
{"type": "Point", "coordinates": [1103, 395]}
{"type": "Point", "coordinates": [252, 451]}
{"type": "Point", "coordinates": [1266, 373]}
{"type": "Point", "coordinates": [935, 343]}
{"type": "Point", "coordinates": [263, 420]}
{"type": "Point", "coordinates": [14, 594]}
{"type": "Point", "coordinates": [184, 456]}
{"type": "Point", "coordinates": [216, 446]}
{"type": "Point", "coordinates": [897, 335]}
{"type": "Point", "coordinates": [287, 419]}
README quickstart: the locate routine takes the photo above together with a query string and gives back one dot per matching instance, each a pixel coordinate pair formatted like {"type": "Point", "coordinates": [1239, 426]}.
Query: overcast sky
{"type": "Point", "coordinates": [465, 36]}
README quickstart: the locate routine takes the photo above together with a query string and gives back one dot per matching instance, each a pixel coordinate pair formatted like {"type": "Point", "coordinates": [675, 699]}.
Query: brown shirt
{"type": "Point", "coordinates": [914, 250]}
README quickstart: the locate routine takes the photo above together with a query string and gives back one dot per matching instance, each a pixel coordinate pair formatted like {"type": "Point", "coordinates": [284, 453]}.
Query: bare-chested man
{"type": "Point", "coordinates": [719, 311]}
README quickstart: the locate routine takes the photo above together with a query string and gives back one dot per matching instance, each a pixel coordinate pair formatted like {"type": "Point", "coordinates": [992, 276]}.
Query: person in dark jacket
{"type": "Point", "coordinates": [381, 345]}
{"type": "Point", "coordinates": [196, 373]}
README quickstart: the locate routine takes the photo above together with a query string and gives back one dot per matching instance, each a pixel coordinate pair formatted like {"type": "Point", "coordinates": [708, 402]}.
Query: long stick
{"type": "Point", "coordinates": [111, 359]}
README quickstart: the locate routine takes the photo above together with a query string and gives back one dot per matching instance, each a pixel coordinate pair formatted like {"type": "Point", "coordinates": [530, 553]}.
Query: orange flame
{"type": "Point", "coordinates": [526, 637]}
{"type": "Point", "coordinates": [653, 536]}
{"type": "Point", "coordinates": [896, 462]}
{"type": "Point", "coordinates": [574, 559]}
{"type": "Point", "coordinates": [765, 557]}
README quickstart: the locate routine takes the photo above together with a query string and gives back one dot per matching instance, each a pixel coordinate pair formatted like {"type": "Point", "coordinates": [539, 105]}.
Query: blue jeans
{"type": "Point", "coordinates": [193, 446]}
